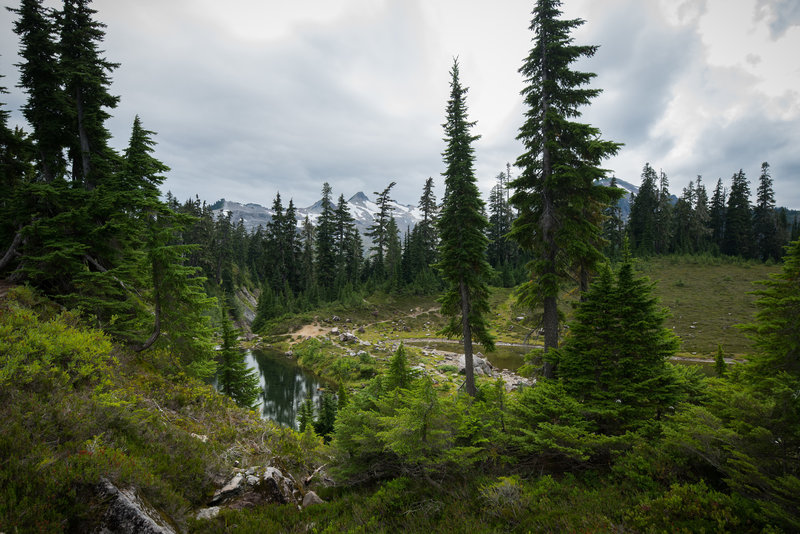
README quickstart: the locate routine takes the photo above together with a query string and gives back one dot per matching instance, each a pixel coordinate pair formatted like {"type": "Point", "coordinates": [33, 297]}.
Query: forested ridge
{"type": "Point", "coordinates": [120, 307]}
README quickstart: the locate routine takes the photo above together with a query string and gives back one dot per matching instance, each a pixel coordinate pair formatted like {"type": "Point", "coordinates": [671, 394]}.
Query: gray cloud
{"type": "Point", "coordinates": [358, 99]}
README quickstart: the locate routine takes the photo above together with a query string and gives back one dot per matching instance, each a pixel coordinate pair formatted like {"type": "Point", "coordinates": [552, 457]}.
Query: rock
{"type": "Point", "coordinates": [335, 331]}
{"type": "Point", "coordinates": [254, 487]}
{"type": "Point", "coordinates": [208, 513]}
{"type": "Point", "coordinates": [347, 337]}
{"type": "Point", "coordinates": [361, 330]}
{"type": "Point", "coordinates": [336, 319]}
{"type": "Point", "coordinates": [128, 512]}
{"type": "Point", "coordinates": [229, 490]}
{"type": "Point", "coordinates": [520, 319]}
{"type": "Point", "coordinates": [348, 320]}
{"type": "Point", "coordinates": [481, 367]}
{"type": "Point", "coordinates": [311, 498]}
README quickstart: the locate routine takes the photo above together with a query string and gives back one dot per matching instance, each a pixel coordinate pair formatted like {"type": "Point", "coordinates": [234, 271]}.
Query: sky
{"type": "Point", "coordinates": [249, 98]}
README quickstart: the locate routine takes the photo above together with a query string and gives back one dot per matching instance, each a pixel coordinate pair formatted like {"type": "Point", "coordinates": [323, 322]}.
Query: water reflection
{"type": "Point", "coordinates": [284, 385]}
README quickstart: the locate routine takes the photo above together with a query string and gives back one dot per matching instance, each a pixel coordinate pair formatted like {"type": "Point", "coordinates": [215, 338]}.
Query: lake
{"type": "Point", "coordinates": [284, 386]}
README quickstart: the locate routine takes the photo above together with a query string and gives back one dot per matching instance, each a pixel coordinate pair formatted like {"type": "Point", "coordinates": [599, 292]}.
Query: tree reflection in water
{"type": "Point", "coordinates": [284, 385]}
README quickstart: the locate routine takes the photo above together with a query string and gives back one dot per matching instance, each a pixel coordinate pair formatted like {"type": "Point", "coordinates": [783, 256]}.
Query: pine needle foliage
{"type": "Point", "coordinates": [560, 204]}
{"type": "Point", "coordinates": [462, 230]}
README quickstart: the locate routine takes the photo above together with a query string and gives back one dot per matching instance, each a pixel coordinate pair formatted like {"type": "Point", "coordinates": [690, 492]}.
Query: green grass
{"type": "Point", "coordinates": [707, 297]}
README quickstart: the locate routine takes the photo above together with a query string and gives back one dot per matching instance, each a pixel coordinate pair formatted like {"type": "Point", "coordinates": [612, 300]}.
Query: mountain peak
{"type": "Point", "coordinates": [358, 198]}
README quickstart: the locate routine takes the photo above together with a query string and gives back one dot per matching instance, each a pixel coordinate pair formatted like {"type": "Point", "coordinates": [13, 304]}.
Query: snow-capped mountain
{"type": "Point", "coordinates": [361, 207]}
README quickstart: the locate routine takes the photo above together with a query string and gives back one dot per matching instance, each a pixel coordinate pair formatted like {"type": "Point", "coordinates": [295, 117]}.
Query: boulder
{"type": "Point", "coordinates": [348, 337]}
{"type": "Point", "coordinates": [254, 487]}
{"type": "Point", "coordinates": [335, 331]}
{"type": "Point", "coordinates": [311, 498]}
{"type": "Point", "coordinates": [128, 512]}
{"type": "Point", "coordinates": [480, 366]}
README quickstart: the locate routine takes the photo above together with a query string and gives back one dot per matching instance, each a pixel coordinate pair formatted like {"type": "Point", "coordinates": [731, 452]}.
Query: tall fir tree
{"type": "Point", "coordinates": [234, 377]}
{"type": "Point", "coordinates": [325, 243]}
{"type": "Point", "coordinates": [644, 206]}
{"type": "Point", "coordinates": [462, 227]}
{"type": "Point", "coordinates": [738, 240]}
{"type": "Point", "coordinates": [716, 214]}
{"type": "Point", "coordinates": [556, 193]}
{"type": "Point", "coordinates": [701, 220]}
{"type": "Point", "coordinates": [86, 84]}
{"type": "Point", "coordinates": [664, 209]}
{"type": "Point", "coordinates": [766, 231]}
{"type": "Point", "coordinates": [614, 228]}
{"type": "Point", "coordinates": [378, 230]}
{"type": "Point", "coordinates": [41, 77]}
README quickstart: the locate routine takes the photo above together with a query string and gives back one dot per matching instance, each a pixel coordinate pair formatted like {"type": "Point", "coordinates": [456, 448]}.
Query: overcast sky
{"type": "Point", "coordinates": [253, 97]}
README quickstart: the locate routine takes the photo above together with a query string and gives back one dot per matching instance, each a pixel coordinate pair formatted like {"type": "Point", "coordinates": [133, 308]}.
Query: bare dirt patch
{"type": "Point", "coordinates": [309, 330]}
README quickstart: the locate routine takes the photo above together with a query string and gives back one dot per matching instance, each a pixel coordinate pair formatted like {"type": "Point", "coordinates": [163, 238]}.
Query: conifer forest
{"type": "Point", "coordinates": [569, 354]}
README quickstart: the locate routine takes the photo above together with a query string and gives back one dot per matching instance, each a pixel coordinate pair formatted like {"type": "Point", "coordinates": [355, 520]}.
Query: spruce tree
{"type": "Point", "coordinates": [41, 78]}
{"type": "Point", "coordinates": [738, 240]}
{"type": "Point", "coordinates": [378, 230]}
{"type": "Point", "coordinates": [614, 360]}
{"type": "Point", "coordinates": [426, 228]}
{"type": "Point", "coordinates": [642, 221]}
{"type": "Point", "coordinates": [701, 220]}
{"type": "Point", "coordinates": [86, 84]}
{"type": "Point", "coordinates": [462, 227]}
{"type": "Point", "coordinates": [614, 228]}
{"type": "Point", "coordinates": [325, 252]}
{"type": "Point", "coordinates": [234, 377]}
{"type": "Point", "coordinates": [664, 209]}
{"type": "Point", "coordinates": [775, 331]}
{"type": "Point", "coordinates": [716, 213]}
{"type": "Point", "coordinates": [765, 221]}
{"type": "Point", "coordinates": [556, 193]}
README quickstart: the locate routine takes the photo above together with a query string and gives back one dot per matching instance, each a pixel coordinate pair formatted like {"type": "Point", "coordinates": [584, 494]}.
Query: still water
{"type": "Point", "coordinates": [284, 386]}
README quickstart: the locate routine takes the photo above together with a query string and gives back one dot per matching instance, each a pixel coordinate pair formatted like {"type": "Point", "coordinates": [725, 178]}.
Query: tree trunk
{"type": "Point", "coordinates": [84, 139]}
{"type": "Point", "coordinates": [157, 298]}
{"type": "Point", "coordinates": [467, 333]}
{"type": "Point", "coordinates": [11, 252]}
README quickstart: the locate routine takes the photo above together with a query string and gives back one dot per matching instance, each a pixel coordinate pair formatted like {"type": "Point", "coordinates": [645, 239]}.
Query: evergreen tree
{"type": "Point", "coordinates": [399, 374]}
{"type": "Point", "coordinates": [615, 359]}
{"type": "Point", "coordinates": [393, 254]}
{"type": "Point", "coordinates": [305, 415]}
{"type": "Point", "coordinates": [86, 85]}
{"type": "Point", "coordinates": [378, 230]}
{"type": "Point", "coordinates": [701, 220]}
{"type": "Point", "coordinates": [41, 78]}
{"type": "Point", "coordinates": [738, 219]}
{"type": "Point", "coordinates": [426, 228]}
{"type": "Point", "coordinates": [682, 231]}
{"type": "Point", "coordinates": [234, 377]}
{"type": "Point", "coordinates": [266, 309]}
{"type": "Point", "coordinates": [557, 196]}
{"type": "Point", "coordinates": [765, 221]}
{"type": "Point", "coordinates": [716, 215]}
{"type": "Point", "coordinates": [642, 221]}
{"type": "Point", "coordinates": [324, 423]}
{"type": "Point", "coordinates": [664, 226]}
{"type": "Point", "coordinates": [501, 249]}
{"type": "Point", "coordinates": [775, 331]}
{"type": "Point", "coordinates": [720, 367]}
{"type": "Point", "coordinates": [325, 241]}
{"type": "Point", "coordinates": [347, 245]}
{"type": "Point", "coordinates": [614, 228]}
{"type": "Point", "coordinates": [308, 279]}
{"type": "Point", "coordinates": [462, 227]}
